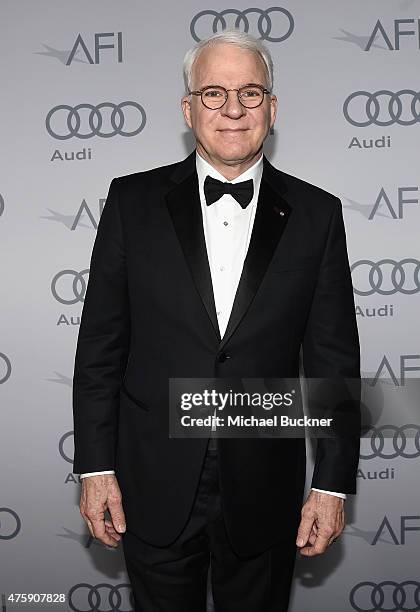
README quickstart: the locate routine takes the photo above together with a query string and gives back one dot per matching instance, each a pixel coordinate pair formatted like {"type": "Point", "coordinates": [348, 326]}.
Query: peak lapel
{"type": "Point", "coordinates": [270, 220]}
{"type": "Point", "coordinates": [183, 202]}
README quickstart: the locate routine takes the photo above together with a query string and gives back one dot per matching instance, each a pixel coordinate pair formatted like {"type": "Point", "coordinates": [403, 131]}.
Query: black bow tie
{"type": "Point", "coordinates": [242, 192]}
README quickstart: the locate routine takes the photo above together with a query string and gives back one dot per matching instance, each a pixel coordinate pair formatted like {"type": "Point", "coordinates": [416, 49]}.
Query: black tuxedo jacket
{"type": "Point", "coordinates": [149, 315]}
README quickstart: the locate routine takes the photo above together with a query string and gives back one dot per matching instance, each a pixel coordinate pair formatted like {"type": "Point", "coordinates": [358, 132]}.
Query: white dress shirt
{"type": "Point", "coordinates": [227, 231]}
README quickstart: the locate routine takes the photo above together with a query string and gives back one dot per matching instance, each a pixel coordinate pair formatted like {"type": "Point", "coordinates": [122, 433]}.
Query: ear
{"type": "Point", "coordinates": [186, 109]}
{"type": "Point", "coordinates": [273, 109]}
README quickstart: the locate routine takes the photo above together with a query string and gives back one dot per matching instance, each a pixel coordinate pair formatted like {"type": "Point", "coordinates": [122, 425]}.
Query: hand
{"type": "Point", "coordinates": [100, 493]}
{"type": "Point", "coordinates": [322, 522]}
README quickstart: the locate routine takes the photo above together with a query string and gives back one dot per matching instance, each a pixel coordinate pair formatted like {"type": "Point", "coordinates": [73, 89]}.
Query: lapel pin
{"type": "Point", "coordinates": [277, 209]}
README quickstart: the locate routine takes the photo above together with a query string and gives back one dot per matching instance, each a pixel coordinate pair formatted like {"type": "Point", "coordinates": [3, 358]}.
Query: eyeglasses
{"type": "Point", "coordinates": [215, 96]}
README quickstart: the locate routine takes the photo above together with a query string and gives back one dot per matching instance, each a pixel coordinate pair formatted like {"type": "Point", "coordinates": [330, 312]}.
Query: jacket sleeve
{"type": "Point", "coordinates": [102, 346]}
{"type": "Point", "coordinates": [331, 350]}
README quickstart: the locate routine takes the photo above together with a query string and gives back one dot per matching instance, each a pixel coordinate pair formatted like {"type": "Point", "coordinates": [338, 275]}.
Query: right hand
{"type": "Point", "coordinates": [101, 493]}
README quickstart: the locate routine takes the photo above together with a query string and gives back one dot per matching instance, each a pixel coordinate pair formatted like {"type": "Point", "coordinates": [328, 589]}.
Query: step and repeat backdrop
{"type": "Point", "coordinates": [90, 91]}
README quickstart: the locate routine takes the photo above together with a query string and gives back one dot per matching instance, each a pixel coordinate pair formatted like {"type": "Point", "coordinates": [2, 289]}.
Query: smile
{"type": "Point", "coordinates": [233, 131]}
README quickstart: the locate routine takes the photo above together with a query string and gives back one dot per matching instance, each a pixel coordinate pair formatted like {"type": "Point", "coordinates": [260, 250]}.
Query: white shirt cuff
{"type": "Point", "coordinates": [96, 473]}
{"type": "Point", "coordinates": [342, 495]}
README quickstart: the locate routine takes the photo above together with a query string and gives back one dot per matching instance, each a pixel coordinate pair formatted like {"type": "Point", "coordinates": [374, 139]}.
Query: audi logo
{"type": "Point", "coordinates": [85, 120]}
{"type": "Point", "coordinates": [401, 107]}
{"type": "Point", "coordinates": [388, 276]}
{"type": "Point", "coordinates": [387, 596]}
{"type": "Point", "coordinates": [85, 597]}
{"type": "Point", "coordinates": [61, 443]}
{"type": "Point", "coordinates": [75, 284]}
{"type": "Point", "coordinates": [7, 533]}
{"type": "Point", "coordinates": [8, 367]}
{"type": "Point", "coordinates": [264, 23]}
{"type": "Point", "coordinates": [389, 442]}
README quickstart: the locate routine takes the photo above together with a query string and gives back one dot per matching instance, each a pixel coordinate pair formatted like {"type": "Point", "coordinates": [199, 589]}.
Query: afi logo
{"type": "Point", "coordinates": [407, 363]}
{"type": "Point", "coordinates": [398, 535]}
{"type": "Point", "coordinates": [85, 210]}
{"type": "Point", "coordinates": [383, 202]}
{"type": "Point", "coordinates": [392, 38]}
{"type": "Point", "coordinates": [102, 40]}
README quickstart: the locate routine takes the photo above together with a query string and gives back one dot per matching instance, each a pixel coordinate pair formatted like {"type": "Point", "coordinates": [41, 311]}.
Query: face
{"type": "Point", "coordinates": [232, 135]}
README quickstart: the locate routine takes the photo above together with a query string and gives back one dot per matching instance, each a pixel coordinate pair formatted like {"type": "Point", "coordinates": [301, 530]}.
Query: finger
{"type": "Point", "coordinates": [101, 534]}
{"type": "Point", "coordinates": [111, 531]}
{"type": "Point", "coordinates": [336, 531]}
{"type": "Point", "coordinates": [109, 525]}
{"type": "Point", "coordinates": [116, 537]}
{"type": "Point", "coordinates": [89, 524]}
{"type": "Point", "coordinates": [312, 537]}
{"type": "Point", "coordinates": [333, 538]}
{"type": "Point", "coordinates": [319, 547]}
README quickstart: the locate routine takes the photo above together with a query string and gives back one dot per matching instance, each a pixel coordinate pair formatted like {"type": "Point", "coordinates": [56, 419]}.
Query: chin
{"type": "Point", "coordinates": [233, 153]}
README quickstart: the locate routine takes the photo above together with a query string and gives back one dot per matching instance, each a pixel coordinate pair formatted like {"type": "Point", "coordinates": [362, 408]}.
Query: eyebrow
{"type": "Point", "coordinates": [240, 87]}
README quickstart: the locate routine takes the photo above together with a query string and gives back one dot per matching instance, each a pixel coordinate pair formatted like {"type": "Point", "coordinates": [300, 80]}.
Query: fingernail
{"type": "Point", "coordinates": [299, 543]}
{"type": "Point", "coordinates": [121, 528]}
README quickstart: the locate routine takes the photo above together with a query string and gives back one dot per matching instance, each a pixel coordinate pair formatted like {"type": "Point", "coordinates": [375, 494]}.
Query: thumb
{"type": "Point", "coordinates": [117, 515]}
{"type": "Point", "coordinates": [304, 531]}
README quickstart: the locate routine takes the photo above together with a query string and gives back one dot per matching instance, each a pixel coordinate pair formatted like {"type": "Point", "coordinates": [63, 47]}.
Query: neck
{"type": "Point", "coordinates": [232, 168]}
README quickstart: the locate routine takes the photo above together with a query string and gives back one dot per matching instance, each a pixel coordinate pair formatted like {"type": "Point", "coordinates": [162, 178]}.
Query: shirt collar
{"type": "Point", "coordinates": [204, 169]}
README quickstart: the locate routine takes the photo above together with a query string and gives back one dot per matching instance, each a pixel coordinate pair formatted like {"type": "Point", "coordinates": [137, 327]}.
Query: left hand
{"type": "Point", "coordinates": [322, 522]}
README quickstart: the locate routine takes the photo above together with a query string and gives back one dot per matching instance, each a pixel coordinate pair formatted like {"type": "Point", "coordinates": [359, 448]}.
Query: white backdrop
{"type": "Point", "coordinates": [346, 75]}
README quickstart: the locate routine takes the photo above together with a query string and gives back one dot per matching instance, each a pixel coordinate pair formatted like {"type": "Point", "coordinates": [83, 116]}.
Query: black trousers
{"type": "Point", "coordinates": [174, 578]}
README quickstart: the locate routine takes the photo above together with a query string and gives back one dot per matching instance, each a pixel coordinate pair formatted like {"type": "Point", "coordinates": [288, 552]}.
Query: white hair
{"type": "Point", "coordinates": [232, 37]}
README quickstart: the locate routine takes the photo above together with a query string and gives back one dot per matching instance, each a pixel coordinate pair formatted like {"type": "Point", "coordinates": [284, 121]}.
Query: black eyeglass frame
{"type": "Point", "coordinates": [199, 92]}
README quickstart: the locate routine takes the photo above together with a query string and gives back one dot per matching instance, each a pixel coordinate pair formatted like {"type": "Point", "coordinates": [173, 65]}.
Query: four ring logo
{"type": "Point", "coordinates": [264, 24]}
{"type": "Point", "coordinates": [74, 284]}
{"type": "Point", "coordinates": [389, 442]}
{"type": "Point", "coordinates": [85, 597]}
{"type": "Point", "coordinates": [388, 276]}
{"type": "Point", "coordinates": [85, 120]}
{"type": "Point", "coordinates": [67, 456]}
{"type": "Point", "coordinates": [7, 530]}
{"type": "Point", "coordinates": [383, 108]}
{"type": "Point", "coordinates": [7, 370]}
{"type": "Point", "coordinates": [387, 596]}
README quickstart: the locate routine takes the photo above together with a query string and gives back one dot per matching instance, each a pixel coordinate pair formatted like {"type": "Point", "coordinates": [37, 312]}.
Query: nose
{"type": "Point", "coordinates": [232, 107]}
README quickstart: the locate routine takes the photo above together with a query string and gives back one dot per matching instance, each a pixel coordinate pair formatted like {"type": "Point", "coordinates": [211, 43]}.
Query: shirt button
{"type": "Point", "coordinates": [222, 268]}
{"type": "Point", "coordinates": [225, 223]}
{"type": "Point", "coordinates": [221, 357]}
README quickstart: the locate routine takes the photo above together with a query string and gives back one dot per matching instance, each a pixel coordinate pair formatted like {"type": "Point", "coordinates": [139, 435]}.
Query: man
{"type": "Point", "coordinates": [194, 278]}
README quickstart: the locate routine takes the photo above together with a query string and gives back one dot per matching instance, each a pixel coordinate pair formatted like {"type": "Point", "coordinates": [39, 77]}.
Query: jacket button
{"type": "Point", "coordinates": [221, 357]}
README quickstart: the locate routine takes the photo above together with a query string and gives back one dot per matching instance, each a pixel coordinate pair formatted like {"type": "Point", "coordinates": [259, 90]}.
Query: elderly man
{"type": "Point", "coordinates": [216, 266]}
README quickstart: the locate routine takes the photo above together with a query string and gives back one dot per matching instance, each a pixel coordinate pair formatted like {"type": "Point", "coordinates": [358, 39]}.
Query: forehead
{"type": "Point", "coordinates": [228, 65]}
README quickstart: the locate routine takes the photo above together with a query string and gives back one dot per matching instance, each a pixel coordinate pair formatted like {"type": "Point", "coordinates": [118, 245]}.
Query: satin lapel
{"type": "Point", "coordinates": [269, 223]}
{"type": "Point", "coordinates": [183, 202]}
